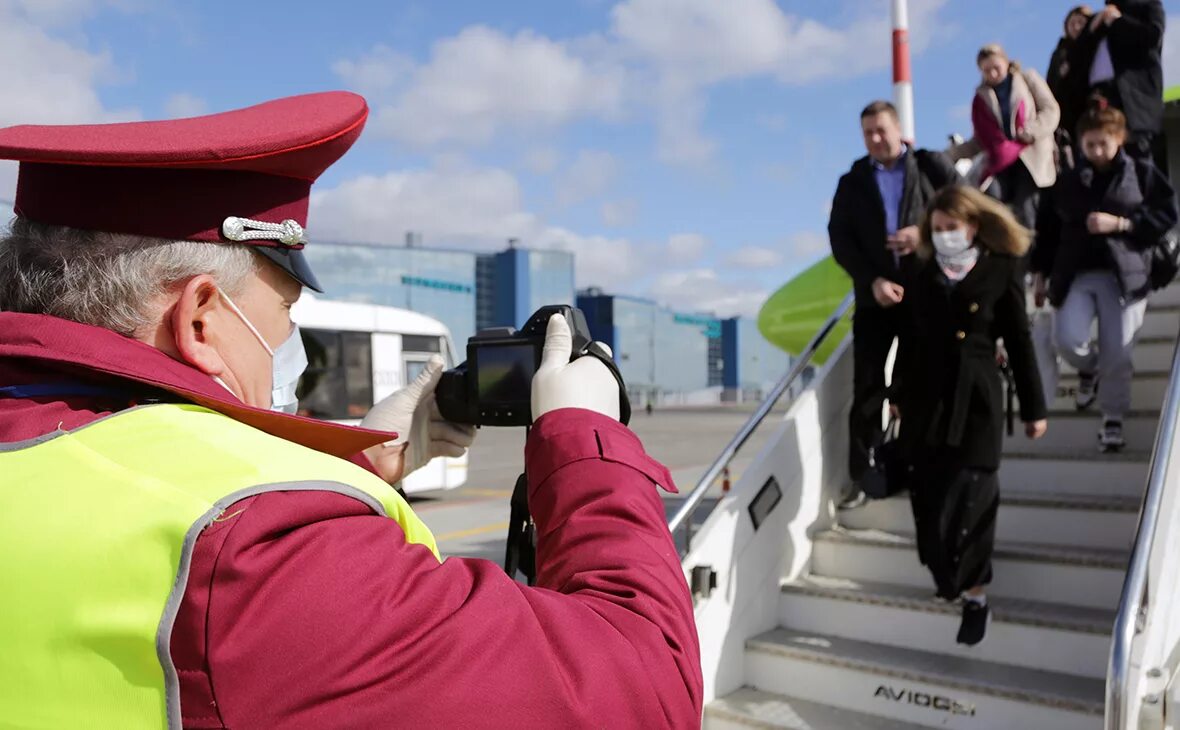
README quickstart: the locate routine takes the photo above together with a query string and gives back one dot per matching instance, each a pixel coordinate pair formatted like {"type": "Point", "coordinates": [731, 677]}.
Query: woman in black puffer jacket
{"type": "Point", "coordinates": [1095, 235]}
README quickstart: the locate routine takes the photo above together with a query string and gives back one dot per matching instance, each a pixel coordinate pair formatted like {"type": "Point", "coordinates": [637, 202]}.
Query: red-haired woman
{"type": "Point", "coordinates": [1095, 234]}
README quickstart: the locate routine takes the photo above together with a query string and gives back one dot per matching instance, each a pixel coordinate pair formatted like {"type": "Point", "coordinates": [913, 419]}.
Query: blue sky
{"type": "Point", "coordinates": [685, 150]}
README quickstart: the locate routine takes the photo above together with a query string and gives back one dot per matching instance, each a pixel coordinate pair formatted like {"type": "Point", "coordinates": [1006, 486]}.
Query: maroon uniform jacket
{"type": "Point", "coordinates": [306, 610]}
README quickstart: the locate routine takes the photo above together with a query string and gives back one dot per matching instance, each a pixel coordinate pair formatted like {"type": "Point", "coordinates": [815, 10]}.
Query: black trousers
{"type": "Point", "coordinates": [955, 522]}
{"type": "Point", "coordinates": [873, 331]}
{"type": "Point", "coordinates": [1015, 188]}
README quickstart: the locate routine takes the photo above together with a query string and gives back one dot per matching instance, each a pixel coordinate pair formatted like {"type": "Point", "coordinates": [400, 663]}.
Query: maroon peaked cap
{"type": "Point", "coordinates": [243, 175]}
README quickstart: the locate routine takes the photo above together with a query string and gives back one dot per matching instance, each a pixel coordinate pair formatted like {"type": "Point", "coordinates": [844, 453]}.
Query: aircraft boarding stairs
{"type": "Point", "coordinates": [825, 620]}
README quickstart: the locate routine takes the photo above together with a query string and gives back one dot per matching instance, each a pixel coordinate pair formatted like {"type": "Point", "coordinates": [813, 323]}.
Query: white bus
{"type": "Point", "coordinates": [360, 353]}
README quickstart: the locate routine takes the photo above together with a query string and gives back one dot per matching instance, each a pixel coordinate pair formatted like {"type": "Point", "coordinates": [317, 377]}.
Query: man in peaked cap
{"type": "Point", "coordinates": [177, 548]}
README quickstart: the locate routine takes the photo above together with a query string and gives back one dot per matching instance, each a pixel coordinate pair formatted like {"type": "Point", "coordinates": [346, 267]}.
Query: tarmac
{"type": "Point", "coordinates": [472, 520]}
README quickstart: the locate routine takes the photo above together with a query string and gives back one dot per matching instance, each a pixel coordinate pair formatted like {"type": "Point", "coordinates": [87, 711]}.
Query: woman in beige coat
{"type": "Point", "coordinates": [1014, 115]}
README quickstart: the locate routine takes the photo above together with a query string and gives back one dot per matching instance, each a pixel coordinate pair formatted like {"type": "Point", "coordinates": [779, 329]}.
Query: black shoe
{"type": "Point", "coordinates": [974, 626]}
{"type": "Point", "coordinates": [1110, 438]}
{"type": "Point", "coordinates": [1087, 391]}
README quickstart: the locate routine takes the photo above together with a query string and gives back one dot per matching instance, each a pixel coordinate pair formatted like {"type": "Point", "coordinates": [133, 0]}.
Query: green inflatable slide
{"type": "Point", "coordinates": [794, 313]}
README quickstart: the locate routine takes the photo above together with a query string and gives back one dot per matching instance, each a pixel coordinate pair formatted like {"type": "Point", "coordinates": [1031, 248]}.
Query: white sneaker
{"type": "Point", "coordinates": [1087, 391]}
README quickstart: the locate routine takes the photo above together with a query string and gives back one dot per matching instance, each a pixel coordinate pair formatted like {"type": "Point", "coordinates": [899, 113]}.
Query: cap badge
{"type": "Point", "coordinates": [287, 233]}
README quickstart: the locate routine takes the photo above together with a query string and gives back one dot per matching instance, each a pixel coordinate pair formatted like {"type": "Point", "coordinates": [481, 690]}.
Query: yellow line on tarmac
{"type": "Point", "coordinates": [473, 531]}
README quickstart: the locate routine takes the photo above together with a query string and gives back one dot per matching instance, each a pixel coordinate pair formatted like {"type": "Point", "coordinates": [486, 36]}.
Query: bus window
{"type": "Point", "coordinates": [417, 351]}
{"type": "Point", "coordinates": [421, 343]}
{"type": "Point", "coordinates": [338, 382]}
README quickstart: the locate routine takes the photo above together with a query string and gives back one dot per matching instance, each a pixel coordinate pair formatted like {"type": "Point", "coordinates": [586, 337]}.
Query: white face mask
{"type": "Point", "coordinates": [954, 252]}
{"type": "Point", "coordinates": [287, 362]}
{"type": "Point", "coordinates": [950, 243]}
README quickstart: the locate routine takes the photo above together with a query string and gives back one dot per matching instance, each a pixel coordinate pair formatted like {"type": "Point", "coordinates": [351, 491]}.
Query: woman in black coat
{"type": "Point", "coordinates": [949, 391]}
{"type": "Point", "coordinates": [1069, 84]}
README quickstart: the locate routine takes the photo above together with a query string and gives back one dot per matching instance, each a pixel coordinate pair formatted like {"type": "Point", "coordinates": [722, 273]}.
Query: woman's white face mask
{"type": "Point", "coordinates": [950, 243]}
{"type": "Point", "coordinates": [954, 252]}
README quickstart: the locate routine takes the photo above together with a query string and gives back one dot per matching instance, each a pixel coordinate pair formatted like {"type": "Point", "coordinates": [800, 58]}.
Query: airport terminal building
{"type": "Point", "coordinates": [666, 357]}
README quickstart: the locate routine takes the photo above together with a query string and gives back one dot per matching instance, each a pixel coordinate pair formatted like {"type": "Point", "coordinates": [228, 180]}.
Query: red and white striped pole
{"type": "Point", "coordinates": [903, 81]}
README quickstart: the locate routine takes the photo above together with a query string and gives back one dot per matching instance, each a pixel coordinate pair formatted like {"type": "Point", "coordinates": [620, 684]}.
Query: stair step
{"type": "Point", "coordinates": [1161, 322]}
{"type": "Point", "coordinates": [1091, 577]}
{"type": "Point", "coordinates": [1134, 454]}
{"type": "Point", "coordinates": [1043, 518]}
{"type": "Point", "coordinates": [1147, 391]}
{"type": "Point", "coordinates": [1033, 634]}
{"type": "Point", "coordinates": [922, 687]}
{"type": "Point", "coordinates": [1095, 475]}
{"type": "Point", "coordinates": [751, 708]}
{"type": "Point", "coordinates": [1070, 429]}
{"type": "Point", "coordinates": [1168, 296]}
{"type": "Point", "coordinates": [1150, 354]}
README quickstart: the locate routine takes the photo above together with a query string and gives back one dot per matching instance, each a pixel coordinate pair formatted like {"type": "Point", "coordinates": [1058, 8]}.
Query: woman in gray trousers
{"type": "Point", "coordinates": [1095, 235]}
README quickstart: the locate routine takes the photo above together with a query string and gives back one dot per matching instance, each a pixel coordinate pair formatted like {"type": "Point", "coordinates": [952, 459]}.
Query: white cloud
{"type": "Point", "coordinates": [775, 123]}
{"type": "Point", "coordinates": [377, 72]}
{"type": "Point", "coordinates": [1171, 57]}
{"type": "Point", "coordinates": [542, 160]}
{"type": "Point", "coordinates": [46, 13]}
{"type": "Point", "coordinates": [477, 208]}
{"type": "Point", "coordinates": [685, 248]}
{"type": "Point", "coordinates": [619, 213]}
{"type": "Point", "coordinates": [703, 290]}
{"type": "Point", "coordinates": [695, 44]}
{"type": "Point", "coordinates": [658, 56]}
{"type": "Point", "coordinates": [7, 187]}
{"type": "Point", "coordinates": [754, 257]}
{"type": "Point", "coordinates": [184, 104]}
{"type": "Point", "coordinates": [482, 82]}
{"type": "Point", "coordinates": [589, 174]}
{"type": "Point", "coordinates": [48, 80]}
{"type": "Point", "coordinates": [808, 245]}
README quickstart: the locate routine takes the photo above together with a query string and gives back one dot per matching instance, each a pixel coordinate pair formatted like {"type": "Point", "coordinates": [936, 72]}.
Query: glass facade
{"type": "Point", "coordinates": [660, 352]}
{"type": "Point", "coordinates": [752, 365]}
{"type": "Point", "coordinates": [465, 290]}
{"type": "Point", "coordinates": [551, 279]}
{"type": "Point", "coordinates": [515, 283]}
{"type": "Point", "coordinates": [435, 282]}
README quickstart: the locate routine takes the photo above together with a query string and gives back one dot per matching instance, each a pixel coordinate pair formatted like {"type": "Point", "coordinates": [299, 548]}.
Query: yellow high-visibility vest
{"type": "Point", "coordinates": [97, 527]}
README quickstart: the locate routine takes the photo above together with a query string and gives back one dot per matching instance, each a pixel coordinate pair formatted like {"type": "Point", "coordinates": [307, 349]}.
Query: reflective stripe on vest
{"type": "Point", "coordinates": [97, 527]}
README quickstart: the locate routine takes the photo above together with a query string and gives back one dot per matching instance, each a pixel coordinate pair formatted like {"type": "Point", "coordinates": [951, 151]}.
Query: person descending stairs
{"type": "Point", "coordinates": [860, 642]}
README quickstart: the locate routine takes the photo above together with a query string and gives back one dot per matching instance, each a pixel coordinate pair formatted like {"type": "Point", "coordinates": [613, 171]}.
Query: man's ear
{"type": "Point", "coordinates": [194, 325]}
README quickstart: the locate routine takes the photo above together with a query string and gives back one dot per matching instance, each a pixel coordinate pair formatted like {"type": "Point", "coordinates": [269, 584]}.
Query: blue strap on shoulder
{"type": "Point", "coordinates": [43, 390]}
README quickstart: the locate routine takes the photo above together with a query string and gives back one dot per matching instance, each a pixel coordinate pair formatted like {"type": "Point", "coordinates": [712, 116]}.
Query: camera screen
{"type": "Point", "coordinates": [506, 373]}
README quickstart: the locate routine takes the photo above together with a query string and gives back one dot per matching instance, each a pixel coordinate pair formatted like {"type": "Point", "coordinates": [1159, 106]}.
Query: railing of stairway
{"type": "Point", "coordinates": [1135, 600]}
{"type": "Point", "coordinates": [684, 515]}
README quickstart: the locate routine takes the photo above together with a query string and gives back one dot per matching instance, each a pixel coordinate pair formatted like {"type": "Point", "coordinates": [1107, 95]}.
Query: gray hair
{"type": "Point", "coordinates": [109, 280]}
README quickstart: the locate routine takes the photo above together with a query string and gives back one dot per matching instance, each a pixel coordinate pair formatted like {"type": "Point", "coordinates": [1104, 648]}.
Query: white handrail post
{"type": "Point", "coordinates": [903, 82]}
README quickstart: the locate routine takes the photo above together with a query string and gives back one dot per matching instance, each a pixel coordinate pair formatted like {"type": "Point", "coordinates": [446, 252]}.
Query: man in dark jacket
{"type": "Point", "coordinates": [873, 232]}
{"type": "Point", "coordinates": [1121, 50]}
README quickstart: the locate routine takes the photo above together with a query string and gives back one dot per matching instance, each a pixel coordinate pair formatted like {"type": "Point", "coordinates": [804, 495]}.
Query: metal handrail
{"type": "Point", "coordinates": [1133, 603]}
{"type": "Point", "coordinates": [722, 461]}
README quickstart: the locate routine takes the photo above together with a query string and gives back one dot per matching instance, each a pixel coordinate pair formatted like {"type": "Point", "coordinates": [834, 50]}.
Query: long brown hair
{"type": "Point", "coordinates": [997, 229]}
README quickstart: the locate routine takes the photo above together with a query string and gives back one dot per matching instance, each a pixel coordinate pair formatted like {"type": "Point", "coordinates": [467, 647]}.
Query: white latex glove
{"type": "Point", "coordinates": [583, 383]}
{"type": "Point", "coordinates": [413, 414]}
